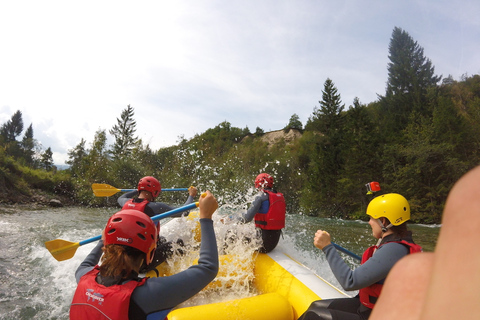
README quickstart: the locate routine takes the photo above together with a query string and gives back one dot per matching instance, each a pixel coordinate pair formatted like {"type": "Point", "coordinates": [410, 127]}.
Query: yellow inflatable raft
{"type": "Point", "coordinates": [283, 289]}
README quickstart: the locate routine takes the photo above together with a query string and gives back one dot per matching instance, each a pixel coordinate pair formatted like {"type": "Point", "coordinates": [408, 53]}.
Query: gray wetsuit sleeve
{"type": "Point", "coordinates": [189, 200]}
{"type": "Point", "coordinates": [125, 197]}
{"type": "Point", "coordinates": [167, 292]}
{"type": "Point", "coordinates": [90, 261]}
{"type": "Point", "coordinates": [372, 271]}
{"type": "Point", "coordinates": [254, 208]}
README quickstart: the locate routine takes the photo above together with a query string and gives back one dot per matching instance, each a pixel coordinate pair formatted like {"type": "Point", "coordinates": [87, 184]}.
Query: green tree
{"type": "Point", "coordinates": [9, 132]}
{"type": "Point", "coordinates": [98, 161]}
{"type": "Point", "coordinates": [46, 160]}
{"type": "Point", "coordinates": [324, 163]}
{"type": "Point", "coordinates": [409, 71]}
{"type": "Point", "coordinates": [327, 119]}
{"type": "Point", "coordinates": [28, 146]}
{"type": "Point", "coordinates": [259, 132]}
{"type": "Point", "coordinates": [361, 154]}
{"type": "Point", "coordinates": [220, 138]}
{"type": "Point", "coordinates": [410, 75]}
{"type": "Point", "coordinates": [294, 123]}
{"type": "Point", "coordinates": [124, 132]}
{"type": "Point", "coordinates": [246, 131]}
{"type": "Point", "coordinates": [76, 159]}
{"type": "Point", "coordinates": [13, 127]}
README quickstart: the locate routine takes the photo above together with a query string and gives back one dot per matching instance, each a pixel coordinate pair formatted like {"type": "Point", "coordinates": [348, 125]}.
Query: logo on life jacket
{"type": "Point", "coordinates": [91, 294]}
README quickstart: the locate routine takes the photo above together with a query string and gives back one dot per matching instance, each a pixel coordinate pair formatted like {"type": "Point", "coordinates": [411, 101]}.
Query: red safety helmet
{"type": "Point", "coordinates": [150, 184]}
{"type": "Point", "coordinates": [132, 228]}
{"type": "Point", "coordinates": [264, 180]}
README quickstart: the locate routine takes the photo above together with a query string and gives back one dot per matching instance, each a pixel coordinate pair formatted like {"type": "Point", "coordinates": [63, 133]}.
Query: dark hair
{"type": "Point", "coordinates": [400, 230]}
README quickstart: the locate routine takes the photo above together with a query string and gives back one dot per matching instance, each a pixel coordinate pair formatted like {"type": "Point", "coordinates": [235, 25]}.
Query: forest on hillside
{"type": "Point", "coordinates": [417, 139]}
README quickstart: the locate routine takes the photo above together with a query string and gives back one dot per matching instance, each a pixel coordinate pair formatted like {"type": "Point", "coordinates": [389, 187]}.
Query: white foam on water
{"type": "Point", "coordinates": [56, 279]}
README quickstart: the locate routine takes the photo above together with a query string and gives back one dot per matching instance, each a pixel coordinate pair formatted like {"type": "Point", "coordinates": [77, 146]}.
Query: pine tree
{"type": "Point", "coordinates": [13, 127]}
{"type": "Point", "coordinates": [124, 132]}
{"type": "Point", "coordinates": [76, 158]}
{"type": "Point", "coordinates": [409, 71]}
{"type": "Point", "coordinates": [360, 154]}
{"type": "Point", "coordinates": [28, 146]}
{"type": "Point", "coordinates": [9, 132]}
{"type": "Point", "coordinates": [327, 118]}
{"type": "Point", "coordinates": [98, 161]}
{"type": "Point", "coordinates": [325, 162]}
{"type": "Point", "coordinates": [410, 75]}
{"type": "Point", "coordinates": [47, 159]}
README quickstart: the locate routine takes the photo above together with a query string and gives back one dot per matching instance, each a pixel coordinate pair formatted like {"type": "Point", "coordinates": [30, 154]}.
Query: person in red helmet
{"type": "Point", "coordinates": [114, 290]}
{"type": "Point", "coordinates": [143, 199]}
{"type": "Point", "coordinates": [268, 211]}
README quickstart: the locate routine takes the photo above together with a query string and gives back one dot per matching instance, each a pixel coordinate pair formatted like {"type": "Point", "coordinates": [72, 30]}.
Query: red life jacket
{"type": "Point", "coordinates": [274, 219]}
{"type": "Point", "coordinates": [370, 294]}
{"type": "Point", "coordinates": [140, 206]}
{"type": "Point", "coordinates": [95, 301]}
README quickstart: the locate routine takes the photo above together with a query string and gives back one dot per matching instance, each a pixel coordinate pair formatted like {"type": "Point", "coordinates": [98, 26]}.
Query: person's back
{"type": "Point", "coordinates": [143, 199]}
{"type": "Point", "coordinates": [268, 212]}
{"type": "Point", "coordinates": [117, 277]}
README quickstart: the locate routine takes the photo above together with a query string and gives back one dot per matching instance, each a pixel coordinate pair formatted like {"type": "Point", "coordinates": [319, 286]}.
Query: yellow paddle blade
{"type": "Point", "coordinates": [104, 190]}
{"type": "Point", "coordinates": [62, 249]}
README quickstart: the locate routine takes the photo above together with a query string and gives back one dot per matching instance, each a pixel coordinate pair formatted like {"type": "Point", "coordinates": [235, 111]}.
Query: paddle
{"type": "Point", "coordinates": [106, 190]}
{"type": "Point", "coordinates": [64, 250]}
{"type": "Point", "coordinates": [351, 254]}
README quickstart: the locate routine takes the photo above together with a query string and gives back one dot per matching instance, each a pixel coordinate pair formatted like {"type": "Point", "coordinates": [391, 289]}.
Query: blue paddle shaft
{"type": "Point", "coordinates": [154, 218]}
{"type": "Point", "coordinates": [351, 254]}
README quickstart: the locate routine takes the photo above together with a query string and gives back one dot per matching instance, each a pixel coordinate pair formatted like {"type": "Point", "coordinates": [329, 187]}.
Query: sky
{"type": "Point", "coordinates": [71, 68]}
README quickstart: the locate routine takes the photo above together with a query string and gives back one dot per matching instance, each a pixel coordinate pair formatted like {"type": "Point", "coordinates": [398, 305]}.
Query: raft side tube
{"type": "Point", "coordinates": [276, 272]}
{"type": "Point", "coordinates": [269, 306]}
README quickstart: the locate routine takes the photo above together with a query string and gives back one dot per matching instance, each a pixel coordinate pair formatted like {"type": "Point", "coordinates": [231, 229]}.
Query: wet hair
{"type": "Point", "coordinates": [120, 261]}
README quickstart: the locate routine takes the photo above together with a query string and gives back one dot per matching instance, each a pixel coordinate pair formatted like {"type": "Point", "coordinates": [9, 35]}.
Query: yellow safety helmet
{"type": "Point", "coordinates": [392, 206]}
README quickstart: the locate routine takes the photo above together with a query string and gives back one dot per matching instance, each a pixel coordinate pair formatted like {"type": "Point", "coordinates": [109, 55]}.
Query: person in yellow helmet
{"type": "Point", "coordinates": [388, 214]}
{"type": "Point", "coordinates": [427, 282]}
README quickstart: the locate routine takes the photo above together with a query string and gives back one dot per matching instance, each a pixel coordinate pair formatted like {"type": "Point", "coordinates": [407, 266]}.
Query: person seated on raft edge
{"type": "Point", "coordinates": [442, 284]}
{"type": "Point", "coordinates": [114, 289]}
{"type": "Point", "coordinates": [268, 212]}
{"type": "Point", "coordinates": [143, 199]}
{"type": "Point", "coordinates": [388, 215]}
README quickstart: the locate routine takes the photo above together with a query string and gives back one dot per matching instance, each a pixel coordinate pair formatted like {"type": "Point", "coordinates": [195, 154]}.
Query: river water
{"type": "Point", "coordinates": [33, 285]}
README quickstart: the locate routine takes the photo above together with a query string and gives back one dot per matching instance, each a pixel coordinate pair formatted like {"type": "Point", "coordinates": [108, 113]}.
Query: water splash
{"type": "Point", "coordinates": [237, 244]}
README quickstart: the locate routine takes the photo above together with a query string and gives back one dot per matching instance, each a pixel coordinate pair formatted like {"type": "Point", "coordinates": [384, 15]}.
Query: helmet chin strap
{"type": "Point", "coordinates": [384, 229]}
